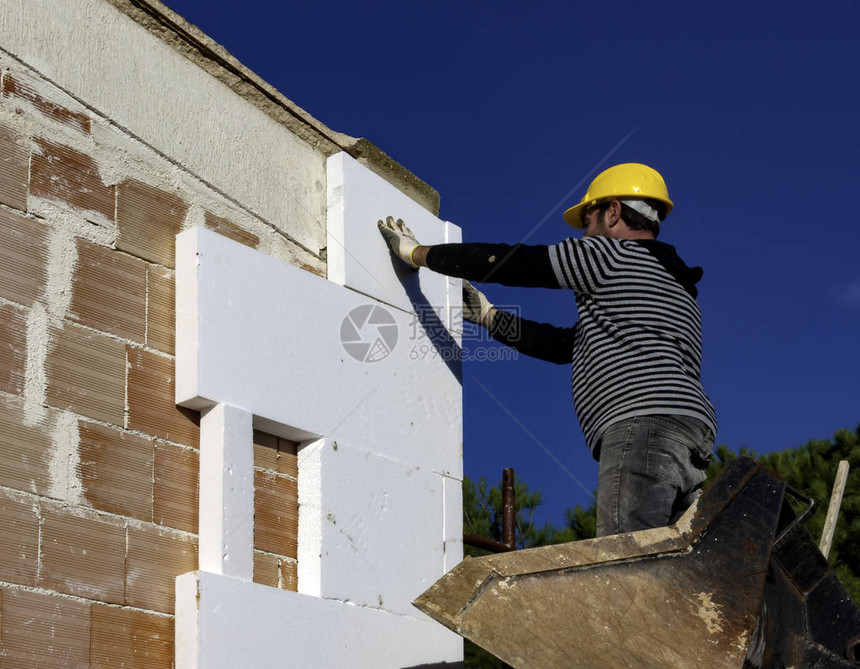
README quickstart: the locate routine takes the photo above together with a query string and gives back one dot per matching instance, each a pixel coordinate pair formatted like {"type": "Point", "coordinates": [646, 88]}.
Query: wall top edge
{"type": "Point", "coordinates": [213, 58]}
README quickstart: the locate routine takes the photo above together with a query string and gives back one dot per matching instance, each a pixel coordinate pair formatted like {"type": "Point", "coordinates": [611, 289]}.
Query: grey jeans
{"type": "Point", "coordinates": [652, 469]}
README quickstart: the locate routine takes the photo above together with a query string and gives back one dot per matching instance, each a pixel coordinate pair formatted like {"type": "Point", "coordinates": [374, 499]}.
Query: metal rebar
{"type": "Point", "coordinates": [486, 544]}
{"type": "Point", "coordinates": [509, 513]}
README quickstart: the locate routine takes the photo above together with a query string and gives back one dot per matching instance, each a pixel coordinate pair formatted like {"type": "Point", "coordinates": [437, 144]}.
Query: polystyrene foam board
{"type": "Point", "coordinates": [382, 540]}
{"type": "Point", "coordinates": [226, 622]}
{"type": "Point", "coordinates": [452, 531]}
{"type": "Point", "coordinates": [283, 344]}
{"type": "Point", "coordinates": [382, 439]}
{"type": "Point", "coordinates": [358, 256]}
{"type": "Point", "coordinates": [227, 492]}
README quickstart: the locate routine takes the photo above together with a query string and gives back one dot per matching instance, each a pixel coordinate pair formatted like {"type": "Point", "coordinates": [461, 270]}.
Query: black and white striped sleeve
{"type": "Point", "coordinates": [582, 265]}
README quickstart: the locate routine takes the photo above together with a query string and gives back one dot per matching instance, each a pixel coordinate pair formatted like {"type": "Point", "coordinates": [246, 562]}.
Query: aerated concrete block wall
{"type": "Point", "coordinates": [117, 132]}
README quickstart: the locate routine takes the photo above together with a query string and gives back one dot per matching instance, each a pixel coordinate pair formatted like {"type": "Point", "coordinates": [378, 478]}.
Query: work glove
{"type": "Point", "coordinates": [400, 239]}
{"type": "Point", "coordinates": [476, 306]}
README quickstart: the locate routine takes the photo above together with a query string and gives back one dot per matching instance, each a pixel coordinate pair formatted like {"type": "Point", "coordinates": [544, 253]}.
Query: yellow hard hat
{"type": "Point", "coordinates": [625, 181]}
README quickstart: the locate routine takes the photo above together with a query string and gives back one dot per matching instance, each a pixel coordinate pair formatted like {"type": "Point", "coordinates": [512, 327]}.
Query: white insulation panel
{"type": "Point", "coordinates": [374, 394]}
{"type": "Point", "coordinates": [240, 624]}
{"type": "Point", "coordinates": [270, 338]}
{"type": "Point", "coordinates": [357, 199]}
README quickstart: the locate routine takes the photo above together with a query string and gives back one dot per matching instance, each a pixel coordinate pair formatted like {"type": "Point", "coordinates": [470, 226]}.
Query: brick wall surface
{"type": "Point", "coordinates": [109, 292]}
{"type": "Point", "coordinates": [25, 450]}
{"type": "Point", "coordinates": [160, 309]}
{"type": "Point", "coordinates": [17, 91]}
{"type": "Point", "coordinates": [176, 482]}
{"type": "Point", "coordinates": [23, 258]}
{"type": "Point", "coordinates": [116, 470]}
{"type": "Point", "coordinates": [19, 519]}
{"type": "Point", "coordinates": [86, 373]}
{"type": "Point", "coordinates": [45, 630]}
{"type": "Point", "coordinates": [61, 173]}
{"type": "Point", "coordinates": [42, 630]}
{"type": "Point", "coordinates": [99, 470]}
{"type": "Point", "coordinates": [148, 220]}
{"type": "Point", "coordinates": [13, 348]}
{"type": "Point", "coordinates": [14, 169]}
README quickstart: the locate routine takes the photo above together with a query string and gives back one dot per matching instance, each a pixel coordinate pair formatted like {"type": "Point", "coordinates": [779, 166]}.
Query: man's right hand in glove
{"type": "Point", "coordinates": [476, 307]}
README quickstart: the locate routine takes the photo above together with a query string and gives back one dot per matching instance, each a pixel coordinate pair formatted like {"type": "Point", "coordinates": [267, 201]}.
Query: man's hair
{"type": "Point", "coordinates": [636, 221]}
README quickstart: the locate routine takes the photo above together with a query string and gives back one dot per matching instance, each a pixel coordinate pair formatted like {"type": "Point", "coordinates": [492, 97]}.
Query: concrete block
{"type": "Point", "coordinates": [358, 257]}
{"type": "Point", "coordinates": [280, 629]}
{"type": "Point", "coordinates": [275, 454]}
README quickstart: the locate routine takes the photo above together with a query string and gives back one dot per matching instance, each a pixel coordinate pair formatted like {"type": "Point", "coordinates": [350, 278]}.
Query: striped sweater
{"type": "Point", "coordinates": [637, 346]}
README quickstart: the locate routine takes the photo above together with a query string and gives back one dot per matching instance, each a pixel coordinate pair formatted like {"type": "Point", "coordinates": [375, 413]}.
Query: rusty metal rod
{"type": "Point", "coordinates": [509, 516]}
{"type": "Point", "coordinates": [509, 511]}
{"type": "Point", "coordinates": [492, 545]}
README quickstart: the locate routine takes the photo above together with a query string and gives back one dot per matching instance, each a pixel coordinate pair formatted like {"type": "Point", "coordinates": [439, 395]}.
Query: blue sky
{"type": "Point", "coordinates": [749, 111]}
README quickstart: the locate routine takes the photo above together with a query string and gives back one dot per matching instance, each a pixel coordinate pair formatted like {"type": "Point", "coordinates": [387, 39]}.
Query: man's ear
{"type": "Point", "coordinates": [612, 216]}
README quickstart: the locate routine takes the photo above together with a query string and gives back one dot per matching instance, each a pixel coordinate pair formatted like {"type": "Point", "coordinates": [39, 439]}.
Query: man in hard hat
{"type": "Point", "coordinates": [636, 349]}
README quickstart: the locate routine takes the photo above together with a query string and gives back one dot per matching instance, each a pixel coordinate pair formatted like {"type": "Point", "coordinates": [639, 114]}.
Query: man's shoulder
{"type": "Point", "coordinates": [607, 246]}
{"type": "Point", "coordinates": [589, 242]}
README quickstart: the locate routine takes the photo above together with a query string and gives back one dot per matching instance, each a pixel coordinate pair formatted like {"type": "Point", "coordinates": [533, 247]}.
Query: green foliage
{"type": "Point", "coordinates": [581, 524]}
